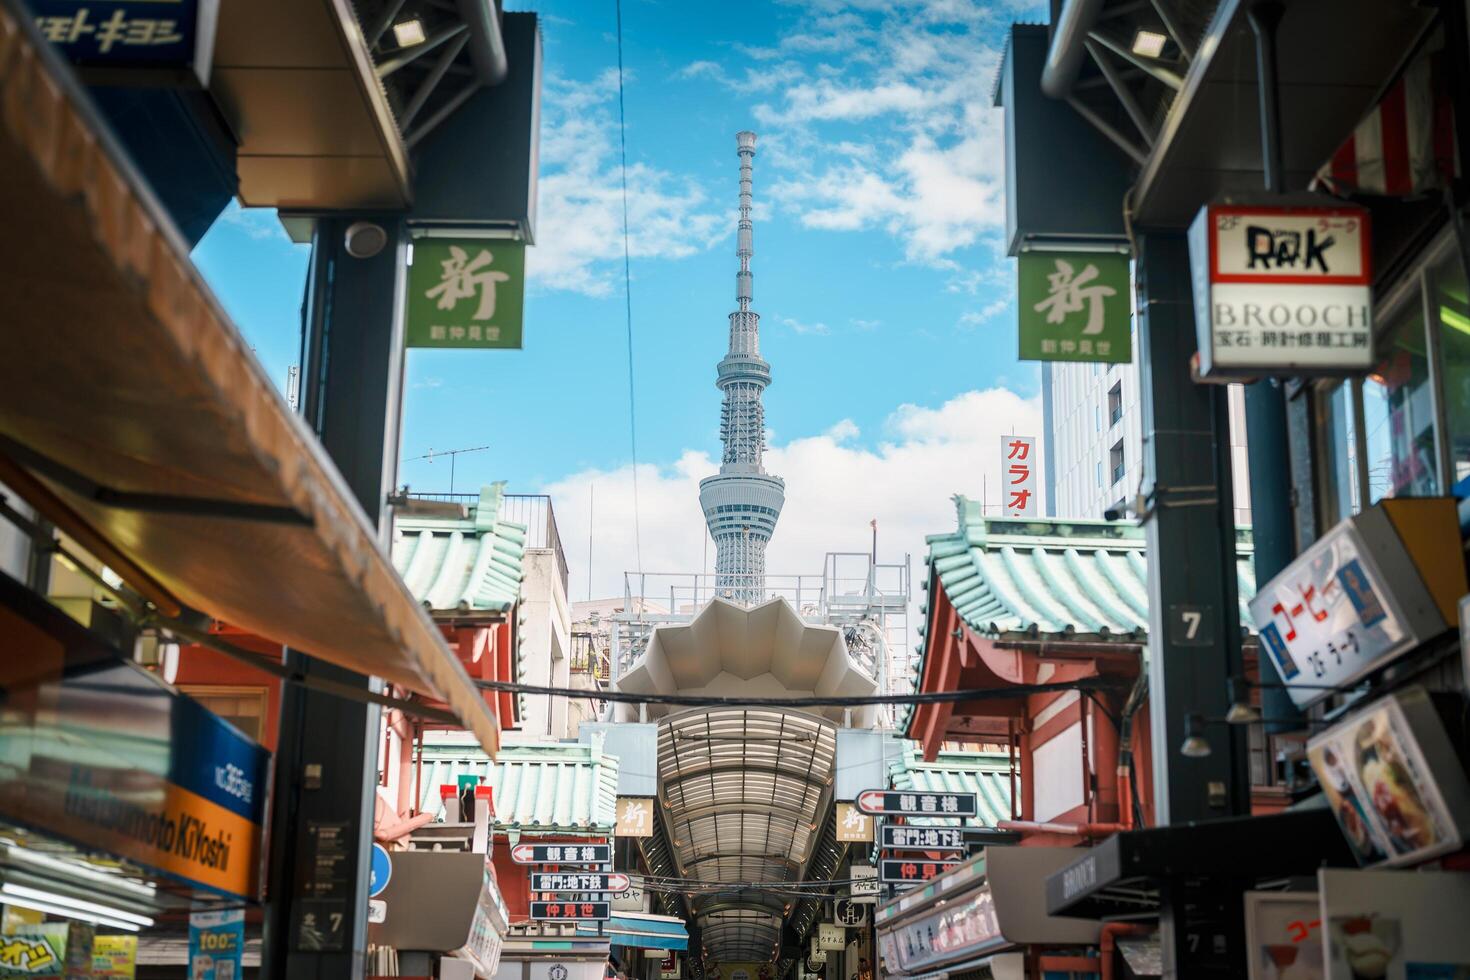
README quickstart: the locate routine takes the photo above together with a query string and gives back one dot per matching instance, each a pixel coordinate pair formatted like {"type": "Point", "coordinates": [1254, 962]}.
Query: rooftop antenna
{"type": "Point", "coordinates": [431, 455]}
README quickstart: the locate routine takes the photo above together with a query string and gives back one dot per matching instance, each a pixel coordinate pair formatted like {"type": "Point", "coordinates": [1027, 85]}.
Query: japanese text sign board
{"type": "Point", "coordinates": [466, 292]}
{"type": "Point", "coordinates": [862, 885]}
{"type": "Point", "coordinates": [36, 950]}
{"type": "Point", "coordinates": [1350, 603]}
{"type": "Point", "coordinates": [579, 881]}
{"type": "Point", "coordinates": [635, 817]}
{"type": "Point", "coordinates": [561, 853]}
{"type": "Point", "coordinates": [910, 804]}
{"type": "Point", "coordinates": [898, 871]}
{"type": "Point", "coordinates": [967, 927]}
{"type": "Point", "coordinates": [592, 911]}
{"type": "Point", "coordinates": [1282, 290]}
{"type": "Point", "coordinates": [853, 825]}
{"type": "Point", "coordinates": [175, 36]}
{"type": "Point", "coordinates": [924, 838]}
{"type": "Point", "coordinates": [1073, 306]}
{"type": "Point", "coordinates": [831, 937]}
{"type": "Point", "coordinates": [1018, 475]}
{"type": "Point", "coordinates": [114, 957]}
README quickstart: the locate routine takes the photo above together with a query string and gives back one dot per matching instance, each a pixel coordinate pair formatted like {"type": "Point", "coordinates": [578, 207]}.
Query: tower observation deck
{"type": "Point", "coordinates": [742, 502]}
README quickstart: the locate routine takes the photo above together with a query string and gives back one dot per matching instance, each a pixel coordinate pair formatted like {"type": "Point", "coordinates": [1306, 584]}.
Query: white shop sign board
{"type": "Point", "coordinates": [1282, 290]}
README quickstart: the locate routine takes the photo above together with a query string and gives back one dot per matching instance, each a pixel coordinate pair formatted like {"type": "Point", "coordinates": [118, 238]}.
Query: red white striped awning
{"type": "Point", "coordinates": [1406, 144]}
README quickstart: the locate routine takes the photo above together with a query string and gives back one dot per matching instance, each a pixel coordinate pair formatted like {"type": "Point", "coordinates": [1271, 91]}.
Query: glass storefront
{"type": "Point", "coordinates": [1404, 429]}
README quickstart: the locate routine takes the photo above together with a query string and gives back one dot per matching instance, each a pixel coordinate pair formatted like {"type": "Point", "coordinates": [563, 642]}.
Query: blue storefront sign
{"type": "Point", "coordinates": [176, 35]}
{"type": "Point", "coordinates": [216, 944]}
{"type": "Point", "coordinates": [103, 753]}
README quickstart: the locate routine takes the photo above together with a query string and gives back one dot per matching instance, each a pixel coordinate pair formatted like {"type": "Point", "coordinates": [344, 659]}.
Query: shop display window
{"type": "Point", "coordinates": [1451, 303]}
{"type": "Point", "coordinates": [1398, 412]}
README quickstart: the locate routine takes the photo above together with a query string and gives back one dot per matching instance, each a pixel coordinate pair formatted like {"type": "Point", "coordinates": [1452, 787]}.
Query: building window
{"type": "Point", "coordinates": [1398, 411]}
{"type": "Point", "coordinates": [243, 707]}
{"type": "Point", "coordinates": [1115, 460]}
{"type": "Point", "coordinates": [1099, 473]}
{"type": "Point", "coordinates": [1115, 404]}
{"type": "Point", "coordinates": [1337, 437]}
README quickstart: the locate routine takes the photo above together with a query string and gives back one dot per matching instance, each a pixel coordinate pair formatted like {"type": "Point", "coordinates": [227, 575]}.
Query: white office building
{"type": "Point", "coordinates": [1094, 439]}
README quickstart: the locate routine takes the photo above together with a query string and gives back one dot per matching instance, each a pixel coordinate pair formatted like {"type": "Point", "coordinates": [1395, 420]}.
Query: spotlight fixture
{"type": "Point", "coordinates": [1241, 712]}
{"type": "Point", "coordinates": [1194, 746]}
{"type": "Point", "coordinates": [410, 32]}
{"type": "Point", "coordinates": [1149, 44]}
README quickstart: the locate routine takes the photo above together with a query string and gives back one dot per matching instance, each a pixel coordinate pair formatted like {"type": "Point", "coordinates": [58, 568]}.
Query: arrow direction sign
{"type": "Point", "coordinates": [586, 911]}
{"type": "Point", "coordinates": [897, 872]}
{"type": "Point", "coordinates": [579, 882]}
{"type": "Point", "coordinates": [561, 853]}
{"type": "Point", "coordinates": [924, 838]}
{"type": "Point", "coordinates": [886, 803]}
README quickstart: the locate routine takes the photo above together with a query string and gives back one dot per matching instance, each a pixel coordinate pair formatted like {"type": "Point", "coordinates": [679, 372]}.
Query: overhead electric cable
{"type": "Point", "coordinates": [848, 701]}
{"type": "Point", "coordinates": [628, 294]}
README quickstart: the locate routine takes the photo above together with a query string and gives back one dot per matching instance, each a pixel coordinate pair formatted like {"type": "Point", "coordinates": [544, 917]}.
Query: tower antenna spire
{"type": "Point", "coordinates": [742, 502]}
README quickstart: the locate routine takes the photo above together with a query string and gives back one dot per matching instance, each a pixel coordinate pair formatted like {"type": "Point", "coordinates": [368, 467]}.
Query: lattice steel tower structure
{"type": "Point", "coordinates": [742, 502]}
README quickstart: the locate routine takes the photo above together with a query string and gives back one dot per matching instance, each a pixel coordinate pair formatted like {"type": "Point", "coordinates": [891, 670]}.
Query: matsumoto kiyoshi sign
{"type": "Point", "coordinates": [1073, 306]}
{"type": "Point", "coordinates": [146, 774]}
{"type": "Point", "coordinates": [1282, 290]}
{"type": "Point", "coordinates": [466, 292]}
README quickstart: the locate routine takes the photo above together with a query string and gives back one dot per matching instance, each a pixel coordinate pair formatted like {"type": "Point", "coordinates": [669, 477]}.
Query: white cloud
{"type": "Point", "coordinates": [866, 325]}
{"type": "Point", "coordinates": [835, 485]}
{"type": "Point", "coordinates": [976, 318]}
{"type": "Point", "coordinates": [580, 224]}
{"type": "Point", "coordinates": [797, 326]}
{"type": "Point", "coordinates": [916, 74]}
{"type": "Point", "coordinates": [258, 223]}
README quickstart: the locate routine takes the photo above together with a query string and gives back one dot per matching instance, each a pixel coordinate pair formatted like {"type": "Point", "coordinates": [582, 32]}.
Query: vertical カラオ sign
{"type": "Point", "coordinates": [466, 292]}
{"type": "Point", "coordinates": [1018, 475]}
{"type": "Point", "coordinates": [1282, 290]}
{"type": "Point", "coordinates": [1073, 306]}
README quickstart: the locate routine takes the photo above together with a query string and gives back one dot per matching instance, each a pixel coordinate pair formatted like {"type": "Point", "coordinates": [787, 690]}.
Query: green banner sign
{"type": "Point", "coordinates": [1074, 307]}
{"type": "Point", "coordinates": [466, 292]}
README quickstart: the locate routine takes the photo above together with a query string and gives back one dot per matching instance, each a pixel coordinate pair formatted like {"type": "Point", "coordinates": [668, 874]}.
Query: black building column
{"type": "Point", "coordinates": [326, 761]}
{"type": "Point", "coordinates": [1194, 618]}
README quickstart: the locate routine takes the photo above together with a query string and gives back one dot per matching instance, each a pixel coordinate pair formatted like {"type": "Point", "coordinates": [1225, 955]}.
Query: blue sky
{"type": "Point", "coordinates": [886, 302]}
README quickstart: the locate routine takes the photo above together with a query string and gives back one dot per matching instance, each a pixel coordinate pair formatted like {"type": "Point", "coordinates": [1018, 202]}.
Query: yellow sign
{"type": "Point", "coordinates": [635, 817]}
{"type": "Point", "coordinates": [853, 825]}
{"type": "Point", "coordinates": [115, 957]}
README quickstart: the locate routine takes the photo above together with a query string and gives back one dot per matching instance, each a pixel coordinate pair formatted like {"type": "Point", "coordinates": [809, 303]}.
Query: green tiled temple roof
{"type": "Point", "coordinates": [1024, 578]}
{"type": "Point", "coordinates": [1035, 579]}
{"type": "Point", "coordinates": [986, 774]}
{"type": "Point", "coordinates": [466, 564]}
{"type": "Point", "coordinates": [564, 787]}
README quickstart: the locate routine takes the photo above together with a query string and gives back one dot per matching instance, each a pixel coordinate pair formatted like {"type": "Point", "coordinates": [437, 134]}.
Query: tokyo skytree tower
{"type": "Point", "coordinates": [742, 502]}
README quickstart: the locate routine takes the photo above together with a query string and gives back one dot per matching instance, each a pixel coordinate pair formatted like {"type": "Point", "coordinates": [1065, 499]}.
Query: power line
{"type": "Point", "coordinates": [847, 701]}
{"type": "Point", "coordinates": [628, 293]}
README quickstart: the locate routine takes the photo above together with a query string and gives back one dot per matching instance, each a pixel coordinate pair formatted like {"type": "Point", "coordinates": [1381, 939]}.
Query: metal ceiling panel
{"type": "Point", "coordinates": [296, 80]}
{"type": "Point", "coordinates": [1335, 57]}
